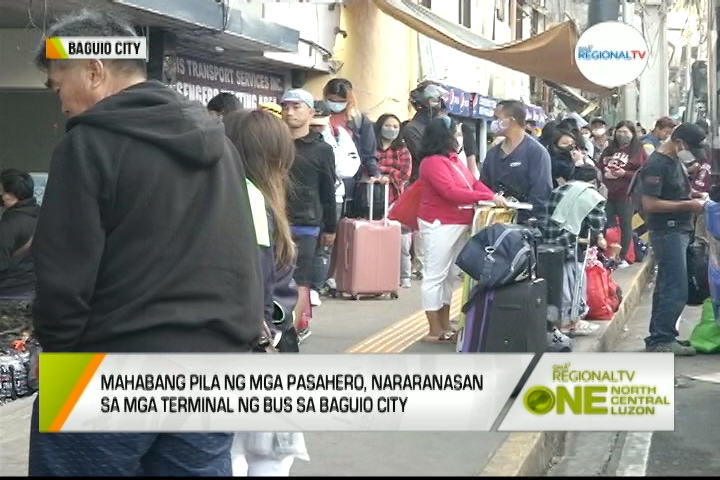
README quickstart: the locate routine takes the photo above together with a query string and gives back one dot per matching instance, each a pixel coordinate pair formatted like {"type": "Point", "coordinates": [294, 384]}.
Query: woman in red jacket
{"type": "Point", "coordinates": [448, 186]}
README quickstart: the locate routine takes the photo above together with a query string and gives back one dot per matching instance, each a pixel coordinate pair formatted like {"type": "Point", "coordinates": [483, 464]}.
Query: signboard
{"type": "Point", "coordinates": [458, 102]}
{"type": "Point", "coordinates": [483, 107]}
{"type": "Point", "coordinates": [201, 80]}
{"type": "Point", "coordinates": [611, 54]}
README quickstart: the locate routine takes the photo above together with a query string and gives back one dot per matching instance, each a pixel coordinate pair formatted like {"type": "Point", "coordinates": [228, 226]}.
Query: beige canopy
{"type": "Point", "coordinates": [549, 55]}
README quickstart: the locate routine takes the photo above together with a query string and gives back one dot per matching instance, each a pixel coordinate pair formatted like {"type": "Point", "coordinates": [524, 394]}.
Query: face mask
{"type": "Point", "coordinates": [623, 140]}
{"type": "Point", "coordinates": [686, 157]}
{"type": "Point", "coordinates": [586, 135]}
{"type": "Point", "coordinates": [459, 147]}
{"type": "Point", "coordinates": [389, 133]}
{"type": "Point", "coordinates": [336, 107]}
{"type": "Point", "coordinates": [498, 126]}
{"type": "Point", "coordinates": [599, 132]}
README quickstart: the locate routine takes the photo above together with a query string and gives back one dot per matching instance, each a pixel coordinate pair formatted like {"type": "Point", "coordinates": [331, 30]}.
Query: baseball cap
{"type": "Point", "coordinates": [692, 135]}
{"type": "Point", "coordinates": [272, 108]}
{"type": "Point", "coordinates": [322, 114]}
{"type": "Point", "coordinates": [298, 95]}
{"type": "Point", "coordinates": [597, 120]}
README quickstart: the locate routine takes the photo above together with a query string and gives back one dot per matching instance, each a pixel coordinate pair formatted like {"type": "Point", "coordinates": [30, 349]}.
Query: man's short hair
{"type": "Point", "coordinates": [515, 110]}
{"type": "Point", "coordinates": [585, 173]}
{"type": "Point", "coordinates": [224, 103]}
{"type": "Point", "coordinates": [91, 23]}
{"type": "Point", "coordinates": [664, 122]}
{"type": "Point", "coordinates": [17, 183]}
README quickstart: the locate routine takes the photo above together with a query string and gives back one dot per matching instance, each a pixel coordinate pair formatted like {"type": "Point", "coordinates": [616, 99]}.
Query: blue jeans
{"type": "Point", "coordinates": [322, 260]}
{"type": "Point", "coordinates": [128, 454]}
{"type": "Point", "coordinates": [671, 286]}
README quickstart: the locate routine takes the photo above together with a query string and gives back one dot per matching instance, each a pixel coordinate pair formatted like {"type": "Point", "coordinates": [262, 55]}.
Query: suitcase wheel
{"type": "Point", "coordinates": [394, 295]}
{"type": "Point", "coordinates": [355, 297]}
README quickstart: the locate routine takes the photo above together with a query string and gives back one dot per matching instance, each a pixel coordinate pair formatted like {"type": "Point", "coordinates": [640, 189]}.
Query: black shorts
{"type": "Point", "coordinates": [306, 246]}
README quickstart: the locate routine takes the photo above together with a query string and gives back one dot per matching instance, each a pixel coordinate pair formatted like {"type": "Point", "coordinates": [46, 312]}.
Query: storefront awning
{"type": "Point", "coordinates": [234, 28]}
{"type": "Point", "coordinates": [549, 56]}
{"type": "Point", "coordinates": [573, 100]}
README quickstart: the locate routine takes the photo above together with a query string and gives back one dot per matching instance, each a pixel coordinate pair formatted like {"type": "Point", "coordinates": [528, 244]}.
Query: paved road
{"type": "Point", "coordinates": [691, 450]}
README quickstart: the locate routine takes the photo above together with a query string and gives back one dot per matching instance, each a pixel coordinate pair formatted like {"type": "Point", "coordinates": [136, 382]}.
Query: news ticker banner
{"type": "Point", "coordinates": [79, 48]}
{"type": "Point", "coordinates": [355, 392]}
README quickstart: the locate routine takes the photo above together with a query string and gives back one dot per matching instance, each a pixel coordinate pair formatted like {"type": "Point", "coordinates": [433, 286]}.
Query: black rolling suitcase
{"type": "Point", "coordinates": [550, 267]}
{"type": "Point", "coordinates": [510, 319]}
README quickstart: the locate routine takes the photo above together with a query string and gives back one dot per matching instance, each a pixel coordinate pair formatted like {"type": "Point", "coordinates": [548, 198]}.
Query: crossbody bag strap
{"type": "Point", "coordinates": [461, 174]}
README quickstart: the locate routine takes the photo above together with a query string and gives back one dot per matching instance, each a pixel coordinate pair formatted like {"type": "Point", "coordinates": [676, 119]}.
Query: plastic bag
{"type": "Point", "coordinates": [705, 337]}
{"type": "Point", "coordinates": [614, 235]}
{"type": "Point", "coordinates": [601, 297]}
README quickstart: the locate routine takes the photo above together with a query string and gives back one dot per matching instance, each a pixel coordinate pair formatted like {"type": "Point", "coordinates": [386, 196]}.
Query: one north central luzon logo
{"type": "Point", "coordinates": [590, 53]}
{"type": "Point", "coordinates": [594, 392]}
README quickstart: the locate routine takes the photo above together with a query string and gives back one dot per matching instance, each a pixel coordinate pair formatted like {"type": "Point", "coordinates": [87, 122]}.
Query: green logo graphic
{"type": "Point", "coordinates": [539, 400]}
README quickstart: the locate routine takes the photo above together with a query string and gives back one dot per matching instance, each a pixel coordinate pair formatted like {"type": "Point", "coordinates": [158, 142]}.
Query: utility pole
{"type": "Point", "coordinates": [629, 91]}
{"type": "Point", "coordinates": [603, 11]}
{"type": "Point", "coordinates": [654, 81]}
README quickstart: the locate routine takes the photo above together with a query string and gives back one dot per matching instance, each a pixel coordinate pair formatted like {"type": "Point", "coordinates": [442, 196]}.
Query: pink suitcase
{"type": "Point", "coordinates": [368, 255]}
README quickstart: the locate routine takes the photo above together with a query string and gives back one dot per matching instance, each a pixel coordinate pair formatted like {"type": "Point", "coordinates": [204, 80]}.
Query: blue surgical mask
{"type": "Point", "coordinates": [389, 133]}
{"type": "Point", "coordinates": [497, 127]}
{"type": "Point", "coordinates": [336, 107]}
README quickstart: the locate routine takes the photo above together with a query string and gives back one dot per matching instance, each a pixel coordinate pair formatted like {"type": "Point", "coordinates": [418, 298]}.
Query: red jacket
{"type": "Point", "coordinates": [447, 185]}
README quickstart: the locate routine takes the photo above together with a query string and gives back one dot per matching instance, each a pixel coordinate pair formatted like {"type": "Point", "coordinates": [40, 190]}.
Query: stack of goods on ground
{"type": "Point", "coordinates": [18, 352]}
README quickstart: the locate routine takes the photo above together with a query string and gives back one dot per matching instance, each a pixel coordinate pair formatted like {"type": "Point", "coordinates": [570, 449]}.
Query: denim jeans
{"type": "Point", "coordinates": [322, 260]}
{"type": "Point", "coordinates": [91, 454]}
{"type": "Point", "coordinates": [671, 286]}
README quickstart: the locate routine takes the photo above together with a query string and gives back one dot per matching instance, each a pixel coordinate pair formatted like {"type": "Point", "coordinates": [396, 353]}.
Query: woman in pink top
{"type": "Point", "coordinates": [448, 186]}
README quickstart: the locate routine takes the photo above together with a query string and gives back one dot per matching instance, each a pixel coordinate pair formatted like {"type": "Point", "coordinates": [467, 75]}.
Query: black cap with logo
{"type": "Point", "coordinates": [693, 136]}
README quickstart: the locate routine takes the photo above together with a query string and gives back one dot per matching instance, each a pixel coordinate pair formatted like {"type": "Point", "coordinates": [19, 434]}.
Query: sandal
{"type": "Point", "coordinates": [581, 328]}
{"type": "Point", "coordinates": [446, 337]}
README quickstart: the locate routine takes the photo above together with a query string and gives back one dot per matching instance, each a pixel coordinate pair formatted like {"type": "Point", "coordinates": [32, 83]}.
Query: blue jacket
{"type": "Point", "coordinates": [279, 288]}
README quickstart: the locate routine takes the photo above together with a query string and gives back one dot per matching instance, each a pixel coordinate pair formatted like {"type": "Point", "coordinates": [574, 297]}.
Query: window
{"type": "Point", "coordinates": [464, 17]}
{"type": "Point", "coordinates": [519, 23]}
{"type": "Point", "coordinates": [426, 3]}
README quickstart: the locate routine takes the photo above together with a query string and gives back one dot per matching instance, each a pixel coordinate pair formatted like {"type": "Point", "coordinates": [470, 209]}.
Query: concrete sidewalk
{"type": "Point", "coordinates": [372, 326]}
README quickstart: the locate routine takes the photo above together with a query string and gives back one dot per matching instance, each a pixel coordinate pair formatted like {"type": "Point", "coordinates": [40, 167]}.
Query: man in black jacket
{"type": "Point", "coordinates": [145, 243]}
{"type": "Point", "coordinates": [311, 197]}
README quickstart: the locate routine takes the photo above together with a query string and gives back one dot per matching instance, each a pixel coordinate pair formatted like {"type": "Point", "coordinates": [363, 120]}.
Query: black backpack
{"type": "Point", "coordinates": [498, 255]}
{"type": "Point", "coordinates": [635, 192]}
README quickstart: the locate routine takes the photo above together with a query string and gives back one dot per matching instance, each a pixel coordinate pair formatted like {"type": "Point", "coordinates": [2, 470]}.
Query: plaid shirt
{"type": "Point", "coordinates": [554, 234]}
{"type": "Point", "coordinates": [397, 165]}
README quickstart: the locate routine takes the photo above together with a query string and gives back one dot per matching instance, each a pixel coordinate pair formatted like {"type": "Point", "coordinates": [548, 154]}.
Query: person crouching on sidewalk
{"type": "Point", "coordinates": [448, 186]}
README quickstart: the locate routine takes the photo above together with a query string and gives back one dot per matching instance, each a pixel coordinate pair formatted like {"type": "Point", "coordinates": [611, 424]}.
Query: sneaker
{"type": "Point", "coordinates": [315, 298]}
{"type": "Point", "coordinates": [684, 343]}
{"type": "Point", "coordinates": [417, 274]}
{"type": "Point", "coordinates": [672, 347]}
{"type": "Point", "coordinates": [405, 283]}
{"type": "Point", "coordinates": [330, 283]}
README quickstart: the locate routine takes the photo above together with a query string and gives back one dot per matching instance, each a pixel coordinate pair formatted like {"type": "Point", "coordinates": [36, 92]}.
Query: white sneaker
{"type": "Point", "coordinates": [330, 282]}
{"type": "Point", "coordinates": [315, 298]}
{"type": "Point", "coordinates": [405, 283]}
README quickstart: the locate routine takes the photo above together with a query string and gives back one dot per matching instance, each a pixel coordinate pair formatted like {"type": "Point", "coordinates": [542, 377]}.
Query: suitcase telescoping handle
{"type": "Point", "coordinates": [371, 196]}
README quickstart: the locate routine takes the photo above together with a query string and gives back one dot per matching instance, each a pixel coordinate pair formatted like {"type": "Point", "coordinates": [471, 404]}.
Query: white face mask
{"type": "Point", "coordinates": [599, 132]}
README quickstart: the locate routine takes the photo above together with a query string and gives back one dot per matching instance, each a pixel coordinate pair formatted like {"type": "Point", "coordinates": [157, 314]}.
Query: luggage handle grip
{"type": "Point", "coordinates": [513, 205]}
{"type": "Point", "coordinates": [371, 196]}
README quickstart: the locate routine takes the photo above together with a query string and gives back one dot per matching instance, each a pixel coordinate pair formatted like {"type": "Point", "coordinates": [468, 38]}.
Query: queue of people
{"type": "Point", "coordinates": [134, 258]}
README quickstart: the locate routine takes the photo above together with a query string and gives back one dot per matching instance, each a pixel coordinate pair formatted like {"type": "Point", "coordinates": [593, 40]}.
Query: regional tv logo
{"type": "Point", "coordinates": [618, 396]}
{"type": "Point", "coordinates": [78, 48]}
{"type": "Point", "coordinates": [594, 392]}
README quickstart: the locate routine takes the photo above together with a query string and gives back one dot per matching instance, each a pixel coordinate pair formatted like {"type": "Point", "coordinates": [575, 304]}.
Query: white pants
{"type": "Point", "coordinates": [405, 260]}
{"type": "Point", "coordinates": [254, 466]}
{"type": "Point", "coordinates": [441, 246]}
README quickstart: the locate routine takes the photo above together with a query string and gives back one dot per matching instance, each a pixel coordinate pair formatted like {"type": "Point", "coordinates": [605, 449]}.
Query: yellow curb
{"type": "Point", "coordinates": [400, 335]}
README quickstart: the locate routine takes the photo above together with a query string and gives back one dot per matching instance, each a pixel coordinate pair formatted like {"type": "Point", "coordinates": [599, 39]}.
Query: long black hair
{"type": "Point", "coordinates": [439, 138]}
{"type": "Point", "coordinates": [614, 146]}
{"type": "Point", "coordinates": [396, 144]}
